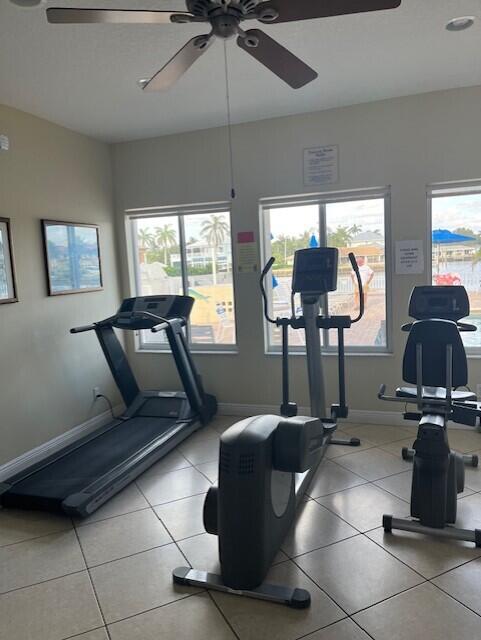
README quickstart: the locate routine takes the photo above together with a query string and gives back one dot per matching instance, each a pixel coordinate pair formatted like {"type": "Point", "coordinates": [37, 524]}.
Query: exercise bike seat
{"type": "Point", "coordinates": [435, 393]}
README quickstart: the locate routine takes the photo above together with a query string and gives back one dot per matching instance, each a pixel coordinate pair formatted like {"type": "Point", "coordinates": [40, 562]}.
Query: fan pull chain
{"type": "Point", "coordinates": [229, 125]}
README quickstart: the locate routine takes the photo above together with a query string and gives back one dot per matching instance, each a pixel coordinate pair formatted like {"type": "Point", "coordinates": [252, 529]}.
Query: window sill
{"type": "Point", "coordinates": [348, 354]}
{"type": "Point", "coordinates": [196, 352]}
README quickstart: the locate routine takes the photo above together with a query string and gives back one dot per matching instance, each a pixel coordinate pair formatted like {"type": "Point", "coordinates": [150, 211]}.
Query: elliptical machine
{"type": "Point", "coordinates": [267, 462]}
{"type": "Point", "coordinates": [435, 362]}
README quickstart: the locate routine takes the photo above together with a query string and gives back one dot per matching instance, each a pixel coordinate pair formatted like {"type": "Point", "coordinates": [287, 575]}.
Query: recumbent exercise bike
{"type": "Point", "coordinates": [435, 362]}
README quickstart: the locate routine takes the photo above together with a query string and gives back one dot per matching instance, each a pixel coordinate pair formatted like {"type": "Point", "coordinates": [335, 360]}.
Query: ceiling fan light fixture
{"type": "Point", "coordinates": [460, 24]}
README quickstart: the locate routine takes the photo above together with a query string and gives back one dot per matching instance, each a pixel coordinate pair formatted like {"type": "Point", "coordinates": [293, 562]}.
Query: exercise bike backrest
{"type": "Point", "coordinates": [440, 302]}
{"type": "Point", "coordinates": [435, 355]}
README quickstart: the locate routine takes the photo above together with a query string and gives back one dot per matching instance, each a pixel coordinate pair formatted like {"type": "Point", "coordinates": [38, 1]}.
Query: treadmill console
{"type": "Point", "coordinates": [315, 271]}
{"type": "Point", "coordinates": [443, 302]}
{"type": "Point", "coordinates": [131, 313]}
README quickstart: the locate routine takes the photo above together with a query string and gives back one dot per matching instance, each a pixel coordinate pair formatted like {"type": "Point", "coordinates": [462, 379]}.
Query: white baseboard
{"type": "Point", "coordinates": [356, 416]}
{"type": "Point", "coordinates": [52, 446]}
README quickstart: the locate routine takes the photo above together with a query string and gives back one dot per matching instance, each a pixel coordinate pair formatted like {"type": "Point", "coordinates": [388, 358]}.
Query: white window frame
{"type": "Point", "coordinates": [179, 211]}
{"type": "Point", "coordinates": [321, 200]}
{"type": "Point", "coordinates": [446, 190]}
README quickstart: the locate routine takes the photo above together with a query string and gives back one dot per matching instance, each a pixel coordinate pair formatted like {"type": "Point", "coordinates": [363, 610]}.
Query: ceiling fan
{"type": "Point", "coordinates": [225, 18]}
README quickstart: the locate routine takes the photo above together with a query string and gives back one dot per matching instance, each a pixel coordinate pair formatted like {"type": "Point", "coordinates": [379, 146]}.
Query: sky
{"type": "Point", "coordinates": [448, 213]}
{"type": "Point", "coordinates": [293, 221]}
{"type": "Point", "coordinates": [457, 211]}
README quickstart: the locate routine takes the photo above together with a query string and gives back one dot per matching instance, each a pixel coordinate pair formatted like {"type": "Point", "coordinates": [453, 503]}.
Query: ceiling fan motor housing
{"type": "Point", "coordinates": [204, 8]}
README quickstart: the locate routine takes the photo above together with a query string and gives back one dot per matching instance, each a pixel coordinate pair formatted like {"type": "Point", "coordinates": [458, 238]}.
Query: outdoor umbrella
{"type": "Point", "coordinates": [444, 236]}
{"type": "Point", "coordinates": [313, 243]}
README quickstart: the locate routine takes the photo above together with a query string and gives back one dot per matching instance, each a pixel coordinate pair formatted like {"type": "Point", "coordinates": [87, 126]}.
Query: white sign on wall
{"type": "Point", "coordinates": [321, 166]}
{"type": "Point", "coordinates": [409, 257]}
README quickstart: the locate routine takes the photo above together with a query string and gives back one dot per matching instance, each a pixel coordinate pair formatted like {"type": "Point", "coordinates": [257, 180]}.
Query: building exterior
{"type": "Point", "coordinates": [200, 254]}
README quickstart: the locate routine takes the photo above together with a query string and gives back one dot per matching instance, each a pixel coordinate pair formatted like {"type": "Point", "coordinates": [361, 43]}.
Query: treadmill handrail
{"type": "Point", "coordinates": [110, 321]}
{"type": "Point", "coordinates": [86, 327]}
{"type": "Point", "coordinates": [92, 327]}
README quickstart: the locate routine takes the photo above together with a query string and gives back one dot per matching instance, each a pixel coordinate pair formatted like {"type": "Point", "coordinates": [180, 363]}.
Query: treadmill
{"type": "Point", "coordinates": [81, 477]}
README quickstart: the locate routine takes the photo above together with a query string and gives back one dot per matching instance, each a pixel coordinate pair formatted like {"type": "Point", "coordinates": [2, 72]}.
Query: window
{"type": "Point", "coordinates": [188, 251]}
{"type": "Point", "coordinates": [456, 245]}
{"type": "Point", "coordinates": [352, 222]}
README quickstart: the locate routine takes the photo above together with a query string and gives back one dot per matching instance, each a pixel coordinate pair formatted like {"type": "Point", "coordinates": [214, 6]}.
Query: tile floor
{"type": "Point", "coordinates": [109, 576]}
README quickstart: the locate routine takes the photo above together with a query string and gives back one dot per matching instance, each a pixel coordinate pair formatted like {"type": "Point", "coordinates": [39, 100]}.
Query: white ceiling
{"type": "Point", "coordinates": [84, 76]}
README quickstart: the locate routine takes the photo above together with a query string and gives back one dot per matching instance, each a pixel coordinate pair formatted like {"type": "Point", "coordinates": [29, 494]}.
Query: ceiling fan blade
{"type": "Point", "coordinates": [277, 58]}
{"type": "Point", "coordinates": [108, 16]}
{"type": "Point", "coordinates": [179, 64]}
{"type": "Point", "coordinates": [288, 11]}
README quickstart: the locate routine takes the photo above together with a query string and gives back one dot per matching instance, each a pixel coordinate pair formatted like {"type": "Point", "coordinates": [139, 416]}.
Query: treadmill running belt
{"type": "Point", "coordinates": [78, 469]}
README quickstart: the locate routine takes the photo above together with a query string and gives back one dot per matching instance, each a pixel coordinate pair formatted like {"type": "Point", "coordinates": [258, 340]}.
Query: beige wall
{"type": "Point", "coordinates": [406, 143]}
{"type": "Point", "coordinates": [46, 374]}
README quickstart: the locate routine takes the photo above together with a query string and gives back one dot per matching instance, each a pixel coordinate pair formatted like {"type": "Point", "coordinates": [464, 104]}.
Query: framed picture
{"type": "Point", "coordinates": [72, 256]}
{"type": "Point", "coordinates": [8, 289]}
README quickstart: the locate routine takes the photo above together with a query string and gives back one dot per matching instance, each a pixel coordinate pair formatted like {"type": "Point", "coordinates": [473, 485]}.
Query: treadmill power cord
{"type": "Point", "coordinates": [107, 399]}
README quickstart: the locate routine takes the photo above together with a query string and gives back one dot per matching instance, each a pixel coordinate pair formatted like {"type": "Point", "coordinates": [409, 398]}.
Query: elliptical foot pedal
{"type": "Point", "coordinates": [352, 442]}
{"type": "Point", "coordinates": [291, 597]}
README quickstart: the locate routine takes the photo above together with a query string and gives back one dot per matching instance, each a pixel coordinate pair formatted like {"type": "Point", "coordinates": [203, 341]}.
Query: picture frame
{"type": "Point", "coordinates": [8, 285]}
{"type": "Point", "coordinates": [72, 257]}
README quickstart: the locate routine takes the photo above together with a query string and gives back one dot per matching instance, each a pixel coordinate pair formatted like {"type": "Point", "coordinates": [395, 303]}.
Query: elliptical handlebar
{"type": "Point", "coordinates": [355, 268]}
{"type": "Point", "coordinates": [268, 267]}
{"type": "Point", "coordinates": [264, 273]}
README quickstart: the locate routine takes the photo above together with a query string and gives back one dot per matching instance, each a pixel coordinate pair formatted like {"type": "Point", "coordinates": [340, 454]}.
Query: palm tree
{"type": "Point", "coordinates": [476, 258]}
{"type": "Point", "coordinates": [165, 238]}
{"type": "Point", "coordinates": [146, 238]}
{"type": "Point", "coordinates": [343, 235]}
{"type": "Point", "coordinates": [146, 241]}
{"type": "Point", "coordinates": [214, 231]}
